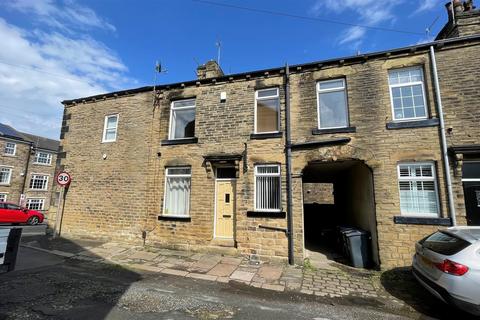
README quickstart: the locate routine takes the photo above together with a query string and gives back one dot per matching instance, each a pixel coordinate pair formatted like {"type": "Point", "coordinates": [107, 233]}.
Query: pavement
{"type": "Point", "coordinates": [393, 293]}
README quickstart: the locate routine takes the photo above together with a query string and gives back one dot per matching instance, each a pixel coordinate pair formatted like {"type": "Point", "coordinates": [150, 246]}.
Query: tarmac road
{"type": "Point", "coordinates": [45, 286]}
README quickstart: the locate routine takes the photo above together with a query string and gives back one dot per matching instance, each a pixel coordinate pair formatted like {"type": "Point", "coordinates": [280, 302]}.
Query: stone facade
{"type": "Point", "coordinates": [23, 166]}
{"type": "Point", "coordinates": [118, 188]}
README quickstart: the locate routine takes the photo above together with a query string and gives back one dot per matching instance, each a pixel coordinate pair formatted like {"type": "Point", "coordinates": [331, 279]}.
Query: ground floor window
{"type": "Point", "coordinates": [177, 191]}
{"type": "Point", "coordinates": [35, 203]}
{"type": "Point", "coordinates": [267, 187]}
{"type": "Point", "coordinates": [418, 189]}
{"type": "Point", "coordinates": [3, 197]}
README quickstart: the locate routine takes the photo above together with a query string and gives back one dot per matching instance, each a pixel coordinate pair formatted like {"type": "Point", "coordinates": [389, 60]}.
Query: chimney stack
{"type": "Point", "coordinates": [211, 69]}
{"type": "Point", "coordinates": [463, 20]}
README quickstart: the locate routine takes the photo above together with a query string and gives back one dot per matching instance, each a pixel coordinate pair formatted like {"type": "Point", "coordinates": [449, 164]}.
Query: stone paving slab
{"type": "Point", "coordinates": [242, 275]}
{"type": "Point", "coordinates": [222, 270]}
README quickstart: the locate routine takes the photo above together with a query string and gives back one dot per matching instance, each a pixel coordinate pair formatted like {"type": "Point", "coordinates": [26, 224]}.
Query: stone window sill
{"type": "Point", "coordinates": [267, 214]}
{"type": "Point", "coordinates": [174, 218]}
{"type": "Point", "coordinates": [422, 221]}
{"type": "Point", "coordinates": [179, 141]}
{"type": "Point", "coordinates": [433, 122]}
{"type": "Point", "coordinates": [334, 130]}
{"type": "Point", "coordinates": [260, 136]}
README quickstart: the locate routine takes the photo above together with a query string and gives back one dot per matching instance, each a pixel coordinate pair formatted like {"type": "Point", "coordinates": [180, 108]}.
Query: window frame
{"type": "Point", "coordinates": [171, 133]}
{"type": "Point", "coordinates": [434, 178]}
{"type": "Point", "coordinates": [49, 157]}
{"type": "Point", "coordinates": [256, 107]}
{"type": "Point", "coordinates": [35, 198]}
{"type": "Point", "coordinates": [105, 122]}
{"type": "Point", "coordinates": [279, 175]}
{"type": "Point", "coordinates": [38, 175]}
{"type": "Point", "coordinates": [167, 175]}
{"type": "Point", "coordinates": [9, 175]}
{"type": "Point", "coordinates": [14, 149]}
{"type": "Point", "coordinates": [319, 91]}
{"type": "Point", "coordinates": [421, 83]}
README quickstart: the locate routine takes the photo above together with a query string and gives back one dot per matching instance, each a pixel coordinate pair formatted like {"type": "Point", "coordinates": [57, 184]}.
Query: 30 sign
{"type": "Point", "coordinates": [63, 179]}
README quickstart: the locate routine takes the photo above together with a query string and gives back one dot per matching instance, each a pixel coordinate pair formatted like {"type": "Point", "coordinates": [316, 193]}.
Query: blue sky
{"type": "Point", "coordinates": [62, 49]}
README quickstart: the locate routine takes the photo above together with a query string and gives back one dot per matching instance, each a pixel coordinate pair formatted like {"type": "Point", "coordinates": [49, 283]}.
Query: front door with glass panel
{"type": "Point", "coordinates": [225, 203]}
{"type": "Point", "coordinates": [471, 191]}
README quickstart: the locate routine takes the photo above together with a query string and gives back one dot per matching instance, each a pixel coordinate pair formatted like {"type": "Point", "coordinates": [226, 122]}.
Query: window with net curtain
{"type": "Point", "coordinates": [267, 188]}
{"type": "Point", "coordinates": [418, 189]}
{"type": "Point", "coordinates": [5, 174]}
{"type": "Point", "coordinates": [267, 111]}
{"type": "Point", "coordinates": [332, 104]}
{"type": "Point", "coordinates": [182, 119]}
{"type": "Point", "coordinates": [177, 192]}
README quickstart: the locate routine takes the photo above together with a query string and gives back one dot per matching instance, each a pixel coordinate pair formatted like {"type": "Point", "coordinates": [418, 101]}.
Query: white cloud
{"type": "Point", "coordinates": [64, 15]}
{"type": "Point", "coordinates": [369, 12]}
{"type": "Point", "coordinates": [39, 68]}
{"type": "Point", "coordinates": [427, 5]}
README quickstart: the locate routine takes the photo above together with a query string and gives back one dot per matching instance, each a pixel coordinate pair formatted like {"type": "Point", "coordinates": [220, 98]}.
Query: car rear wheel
{"type": "Point", "coordinates": [32, 221]}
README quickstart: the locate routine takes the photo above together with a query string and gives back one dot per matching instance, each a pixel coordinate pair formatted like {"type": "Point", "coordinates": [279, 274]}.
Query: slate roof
{"type": "Point", "coordinates": [37, 141]}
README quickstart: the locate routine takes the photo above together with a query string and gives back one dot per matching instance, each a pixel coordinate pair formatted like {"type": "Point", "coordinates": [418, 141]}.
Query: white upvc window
{"type": "Point", "coordinates": [10, 148]}
{"type": "Point", "coordinates": [39, 182]}
{"type": "Point", "coordinates": [177, 191]}
{"type": "Point", "coordinates": [268, 188]}
{"type": "Point", "coordinates": [3, 197]}
{"type": "Point", "coordinates": [267, 111]}
{"type": "Point", "coordinates": [418, 189]}
{"type": "Point", "coordinates": [110, 128]}
{"type": "Point", "coordinates": [182, 119]}
{"type": "Point", "coordinates": [407, 94]}
{"type": "Point", "coordinates": [43, 158]}
{"type": "Point", "coordinates": [5, 175]}
{"type": "Point", "coordinates": [35, 203]}
{"type": "Point", "coordinates": [332, 105]}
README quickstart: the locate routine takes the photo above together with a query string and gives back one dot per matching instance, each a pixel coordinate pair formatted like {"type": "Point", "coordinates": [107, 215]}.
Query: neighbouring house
{"type": "Point", "coordinates": [27, 169]}
{"type": "Point", "coordinates": [271, 163]}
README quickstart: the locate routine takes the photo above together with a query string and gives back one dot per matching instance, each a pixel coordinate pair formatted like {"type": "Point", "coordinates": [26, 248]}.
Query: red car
{"type": "Point", "coordinates": [12, 213]}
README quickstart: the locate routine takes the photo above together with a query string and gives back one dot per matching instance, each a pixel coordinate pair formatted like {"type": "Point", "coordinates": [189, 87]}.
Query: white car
{"type": "Point", "coordinates": [447, 263]}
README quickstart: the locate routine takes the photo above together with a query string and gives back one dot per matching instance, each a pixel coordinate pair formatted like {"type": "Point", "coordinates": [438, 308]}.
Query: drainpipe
{"type": "Point", "coordinates": [446, 162]}
{"type": "Point", "coordinates": [288, 162]}
{"type": "Point", "coordinates": [24, 183]}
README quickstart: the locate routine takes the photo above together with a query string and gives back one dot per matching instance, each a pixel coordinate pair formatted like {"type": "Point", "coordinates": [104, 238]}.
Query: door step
{"type": "Point", "coordinates": [229, 243]}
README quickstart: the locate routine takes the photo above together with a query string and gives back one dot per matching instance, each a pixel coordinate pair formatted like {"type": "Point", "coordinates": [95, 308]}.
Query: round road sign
{"type": "Point", "coordinates": [63, 178]}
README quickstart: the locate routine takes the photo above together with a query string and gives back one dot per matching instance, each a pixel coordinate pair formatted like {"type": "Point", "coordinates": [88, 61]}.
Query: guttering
{"type": "Point", "coordinates": [288, 164]}
{"type": "Point", "coordinates": [443, 137]}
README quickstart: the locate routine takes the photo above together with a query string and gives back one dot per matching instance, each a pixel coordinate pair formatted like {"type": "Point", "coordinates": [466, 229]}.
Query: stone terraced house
{"type": "Point", "coordinates": [271, 163]}
{"type": "Point", "coordinates": [27, 169]}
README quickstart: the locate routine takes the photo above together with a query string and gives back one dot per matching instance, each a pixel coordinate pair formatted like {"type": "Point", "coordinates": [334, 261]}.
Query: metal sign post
{"type": "Point", "coordinates": [63, 179]}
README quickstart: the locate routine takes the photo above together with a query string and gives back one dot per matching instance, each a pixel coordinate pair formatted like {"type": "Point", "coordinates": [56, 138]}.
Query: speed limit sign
{"type": "Point", "coordinates": [63, 179]}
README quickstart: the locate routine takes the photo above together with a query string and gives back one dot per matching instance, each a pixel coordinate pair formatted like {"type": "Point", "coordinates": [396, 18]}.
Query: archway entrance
{"type": "Point", "coordinates": [337, 195]}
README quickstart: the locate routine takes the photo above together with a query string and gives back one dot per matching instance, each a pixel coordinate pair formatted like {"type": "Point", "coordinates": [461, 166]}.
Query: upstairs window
{"type": "Point", "coordinates": [177, 191]}
{"type": "Point", "coordinates": [267, 188]}
{"type": "Point", "coordinates": [43, 158]}
{"type": "Point", "coordinates": [332, 104]}
{"type": "Point", "coordinates": [267, 111]}
{"type": "Point", "coordinates": [110, 128]}
{"type": "Point", "coordinates": [39, 182]}
{"type": "Point", "coordinates": [418, 189]}
{"type": "Point", "coordinates": [182, 119]}
{"type": "Point", "coordinates": [407, 94]}
{"type": "Point", "coordinates": [10, 148]}
{"type": "Point", "coordinates": [5, 175]}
